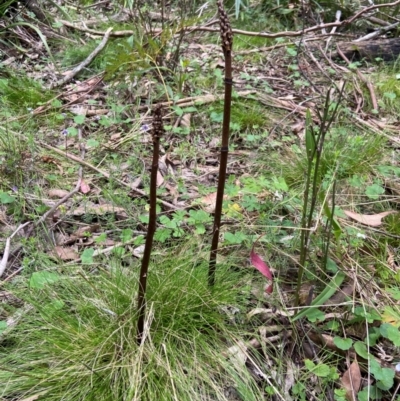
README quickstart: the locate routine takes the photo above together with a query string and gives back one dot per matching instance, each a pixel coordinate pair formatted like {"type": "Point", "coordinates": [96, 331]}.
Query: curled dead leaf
{"type": "Point", "coordinates": [372, 220]}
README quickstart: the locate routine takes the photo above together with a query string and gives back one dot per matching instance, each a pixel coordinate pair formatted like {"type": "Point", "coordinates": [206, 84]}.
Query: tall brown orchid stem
{"type": "Point", "coordinates": [227, 40]}
{"type": "Point", "coordinates": [157, 132]}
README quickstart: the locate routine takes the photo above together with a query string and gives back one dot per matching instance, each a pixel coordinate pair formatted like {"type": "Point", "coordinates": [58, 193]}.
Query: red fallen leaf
{"type": "Point", "coordinates": [84, 187]}
{"type": "Point", "coordinates": [262, 267]}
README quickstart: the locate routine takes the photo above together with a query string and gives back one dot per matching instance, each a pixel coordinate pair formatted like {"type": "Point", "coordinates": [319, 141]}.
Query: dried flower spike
{"type": "Point", "coordinates": [157, 132]}
{"type": "Point", "coordinates": [158, 128]}
{"type": "Point", "coordinates": [226, 30]}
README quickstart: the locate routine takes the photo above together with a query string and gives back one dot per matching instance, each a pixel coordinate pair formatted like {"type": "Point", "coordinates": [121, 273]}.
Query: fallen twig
{"type": "Point", "coordinates": [94, 32]}
{"type": "Point", "coordinates": [192, 101]}
{"type": "Point", "coordinates": [377, 33]}
{"type": "Point", "coordinates": [85, 62]}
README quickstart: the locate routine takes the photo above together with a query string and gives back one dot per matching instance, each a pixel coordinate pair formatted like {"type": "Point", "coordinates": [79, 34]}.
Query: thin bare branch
{"type": "Point", "coordinates": [85, 62]}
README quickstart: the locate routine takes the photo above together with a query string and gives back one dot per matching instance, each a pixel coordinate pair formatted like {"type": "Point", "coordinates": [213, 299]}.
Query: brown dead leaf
{"type": "Point", "coordinates": [79, 110]}
{"type": "Point", "coordinates": [215, 142]}
{"type": "Point", "coordinates": [290, 378]}
{"type": "Point", "coordinates": [218, 64]}
{"type": "Point", "coordinates": [57, 193]}
{"type": "Point", "coordinates": [65, 253]}
{"type": "Point", "coordinates": [342, 293]}
{"type": "Point", "coordinates": [136, 182]}
{"type": "Point", "coordinates": [306, 294]}
{"type": "Point", "coordinates": [185, 120]}
{"type": "Point", "coordinates": [162, 165]}
{"type": "Point", "coordinates": [208, 202]}
{"type": "Point", "coordinates": [8, 61]}
{"type": "Point", "coordinates": [351, 381]}
{"type": "Point", "coordinates": [3, 217]}
{"type": "Point", "coordinates": [372, 220]}
{"type": "Point", "coordinates": [138, 252]}
{"type": "Point", "coordinates": [84, 231]}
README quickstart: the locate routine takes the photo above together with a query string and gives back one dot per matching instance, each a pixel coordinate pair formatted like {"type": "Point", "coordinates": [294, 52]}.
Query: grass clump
{"type": "Point", "coordinates": [79, 342]}
{"type": "Point", "coordinates": [345, 153]}
{"type": "Point", "coordinates": [21, 92]}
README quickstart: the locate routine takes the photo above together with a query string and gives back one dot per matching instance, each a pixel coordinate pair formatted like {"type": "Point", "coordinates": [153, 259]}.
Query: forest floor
{"type": "Point", "coordinates": [75, 158]}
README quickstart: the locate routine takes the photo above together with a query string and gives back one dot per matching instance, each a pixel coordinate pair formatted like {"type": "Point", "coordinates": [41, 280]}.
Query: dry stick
{"type": "Point", "coordinates": [227, 39]}
{"type": "Point", "coordinates": [85, 62]}
{"type": "Point", "coordinates": [377, 33]}
{"type": "Point", "coordinates": [203, 99]}
{"type": "Point", "coordinates": [168, 205]}
{"type": "Point", "coordinates": [191, 29]}
{"type": "Point", "coordinates": [157, 132]}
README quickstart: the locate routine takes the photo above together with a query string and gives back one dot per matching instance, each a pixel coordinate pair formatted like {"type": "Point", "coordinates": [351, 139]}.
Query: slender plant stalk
{"type": "Point", "coordinates": [227, 40]}
{"type": "Point", "coordinates": [157, 132]}
{"type": "Point", "coordinates": [314, 144]}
